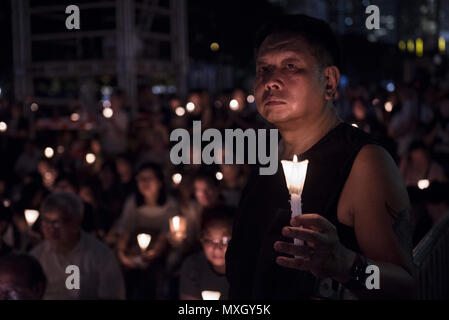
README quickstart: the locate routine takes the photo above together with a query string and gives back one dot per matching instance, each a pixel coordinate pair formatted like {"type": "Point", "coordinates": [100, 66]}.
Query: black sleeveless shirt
{"type": "Point", "coordinates": [264, 210]}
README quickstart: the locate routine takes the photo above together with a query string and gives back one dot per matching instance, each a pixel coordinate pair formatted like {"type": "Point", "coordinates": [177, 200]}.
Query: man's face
{"type": "Point", "coordinates": [58, 230]}
{"type": "Point", "coordinates": [289, 83]}
{"type": "Point", "coordinates": [215, 244]}
{"type": "Point", "coordinates": [205, 194]}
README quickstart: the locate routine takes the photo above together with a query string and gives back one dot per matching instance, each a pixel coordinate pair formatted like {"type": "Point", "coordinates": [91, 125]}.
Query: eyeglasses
{"type": "Point", "coordinates": [56, 224]}
{"type": "Point", "coordinates": [220, 243]}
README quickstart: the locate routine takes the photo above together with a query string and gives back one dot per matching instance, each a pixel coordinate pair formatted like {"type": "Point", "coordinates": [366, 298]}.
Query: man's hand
{"type": "Point", "coordinates": [324, 256]}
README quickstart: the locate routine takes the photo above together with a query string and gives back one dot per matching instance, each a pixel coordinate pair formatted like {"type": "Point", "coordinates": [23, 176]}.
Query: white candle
{"type": "Point", "coordinates": [31, 216]}
{"type": "Point", "coordinates": [295, 175]}
{"type": "Point", "coordinates": [143, 240]}
{"type": "Point", "coordinates": [423, 184]}
{"type": "Point", "coordinates": [176, 178]}
{"type": "Point", "coordinates": [210, 295]}
{"type": "Point", "coordinates": [178, 227]}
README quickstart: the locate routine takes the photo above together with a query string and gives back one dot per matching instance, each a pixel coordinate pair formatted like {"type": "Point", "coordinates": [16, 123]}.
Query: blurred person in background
{"type": "Point", "coordinates": [27, 160]}
{"type": "Point", "coordinates": [110, 198]}
{"type": "Point", "coordinates": [206, 190]}
{"type": "Point", "coordinates": [202, 110]}
{"type": "Point", "coordinates": [68, 182]}
{"type": "Point", "coordinates": [366, 120]}
{"type": "Point", "coordinates": [207, 195]}
{"type": "Point", "coordinates": [239, 114]}
{"type": "Point", "coordinates": [147, 211]}
{"type": "Point", "coordinates": [417, 164]}
{"type": "Point", "coordinates": [435, 206]}
{"type": "Point", "coordinates": [5, 223]}
{"type": "Point", "coordinates": [66, 244]}
{"type": "Point", "coordinates": [234, 179]}
{"type": "Point", "coordinates": [114, 130]}
{"type": "Point", "coordinates": [205, 270]}
{"type": "Point", "coordinates": [361, 116]}
{"type": "Point", "coordinates": [155, 145]}
{"type": "Point", "coordinates": [18, 125]}
{"type": "Point", "coordinates": [404, 117]}
{"type": "Point", "coordinates": [124, 168]}
{"type": "Point", "coordinates": [438, 138]}
{"type": "Point", "coordinates": [21, 278]}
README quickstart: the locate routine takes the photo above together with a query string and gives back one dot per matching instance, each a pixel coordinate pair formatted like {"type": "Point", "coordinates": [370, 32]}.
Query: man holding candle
{"type": "Point", "coordinates": [354, 204]}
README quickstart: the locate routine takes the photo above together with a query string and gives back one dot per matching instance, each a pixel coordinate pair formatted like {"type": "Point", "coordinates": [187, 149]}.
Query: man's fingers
{"type": "Point", "coordinates": [293, 263]}
{"type": "Point", "coordinates": [293, 249]}
{"type": "Point", "coordinates": [312, 221]}
{"type": "Point", "coordinates": [304, 234]}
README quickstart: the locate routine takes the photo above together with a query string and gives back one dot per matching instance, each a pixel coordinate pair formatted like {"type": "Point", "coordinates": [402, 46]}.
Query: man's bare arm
{"type": "Point", "coordinates": [381, 215]}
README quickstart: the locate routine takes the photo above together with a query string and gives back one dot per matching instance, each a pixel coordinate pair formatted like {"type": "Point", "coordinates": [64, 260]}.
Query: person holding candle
{"type": "Point", "coordinates": [205, 270]}
{"type": "Point", "coordinates": [147, 211]}
{"type": "Point", "coordinates": [354, 204]}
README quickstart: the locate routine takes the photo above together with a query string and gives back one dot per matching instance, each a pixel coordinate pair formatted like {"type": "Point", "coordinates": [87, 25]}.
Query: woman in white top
{"type": "Point", "coordinates": [147, 211]}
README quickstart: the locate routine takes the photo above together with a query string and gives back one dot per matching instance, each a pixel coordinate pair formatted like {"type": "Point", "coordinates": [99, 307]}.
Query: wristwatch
{"type": "Point", "coordinates": [358, 273]}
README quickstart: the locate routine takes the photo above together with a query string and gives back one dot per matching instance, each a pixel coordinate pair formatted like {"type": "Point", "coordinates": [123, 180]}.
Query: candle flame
{"type": "Point", "coordinates": [423, 184]}
{"type": "Point", "coordinates": [176, 221]}
{"type": "Point", "coordinates": [210, 295]}
{"type": "Point", "coordinates": [295, 174]}
{"type": "Point", "coordinates": [144, 240]}
{"type": "Point", "coordinates": [31, 216]}
{"type": "Point", "coordinates": [178, 225]}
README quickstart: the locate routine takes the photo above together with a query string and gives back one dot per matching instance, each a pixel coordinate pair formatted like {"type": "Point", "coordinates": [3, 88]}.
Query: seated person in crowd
{"type": "Point", "coordinates": [5, 222]}
{"type": "Point", "coordinates": [436, 208]}
{"type": "Point", "coordinates": [205, 270]}
{"type": "Point", "coordinates": [66, 244]}
{"type": "Point", "coordinates": [207, 195]}
{"type": "Point", "coordinates": [21, 278]}
{"type": "Point", "coordinates": [147, 211]}
{"type": "Point", "coordinates": [234, 180]}
{"type": "Point", "coordinates": [418, 164]}
{"type": "Point", "coordinates": [67, 182]}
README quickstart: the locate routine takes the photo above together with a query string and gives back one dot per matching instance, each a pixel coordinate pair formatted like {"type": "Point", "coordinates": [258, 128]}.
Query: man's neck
{"type": "Point", "coordinates": [305, 133]}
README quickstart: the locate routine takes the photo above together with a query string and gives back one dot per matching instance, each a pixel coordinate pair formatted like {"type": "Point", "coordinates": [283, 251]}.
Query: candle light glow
{"type": "Point", "coordinates": [178, 227]}
{"type": "Point", "coordinates": [423, 184]}
{"type": "Point", "coordinates": [31, 216]}
{"type": "Point", "coordinates": [210, 295]}
{"type": "Point", "coordinates": [143, 240]}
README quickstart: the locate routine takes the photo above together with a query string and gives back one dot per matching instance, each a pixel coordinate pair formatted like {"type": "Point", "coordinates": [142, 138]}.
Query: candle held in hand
{"type": "Point", "coordinates": [143, 240]}
{"type": "Point", "coordinates": [295, 176]}
{"type": "Point", "coordinates": [210, 295]}
{"type": "Point", "coordinates": [31, 217]}
{"type": "Point", "coordinates": [178, 227]}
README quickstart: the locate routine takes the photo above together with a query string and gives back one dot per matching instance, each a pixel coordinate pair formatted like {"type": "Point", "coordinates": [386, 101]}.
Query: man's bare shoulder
{"type": "Point", "coordinates": [374, 170]}
{"type": "Point", "coordinates": [374, 181]}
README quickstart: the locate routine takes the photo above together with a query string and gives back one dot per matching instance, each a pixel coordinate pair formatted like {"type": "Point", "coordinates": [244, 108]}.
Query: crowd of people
{"type": "Point", "coordinates": [96, 190]}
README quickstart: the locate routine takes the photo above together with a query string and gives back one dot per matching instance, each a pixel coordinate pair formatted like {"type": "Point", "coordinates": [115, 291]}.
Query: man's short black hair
{"type": "Point", "coordinates": [318, 34]}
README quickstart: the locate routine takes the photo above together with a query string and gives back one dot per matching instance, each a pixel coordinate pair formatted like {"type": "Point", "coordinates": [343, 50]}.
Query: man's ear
{"type": "Point", "coordinates": [332, 79]}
